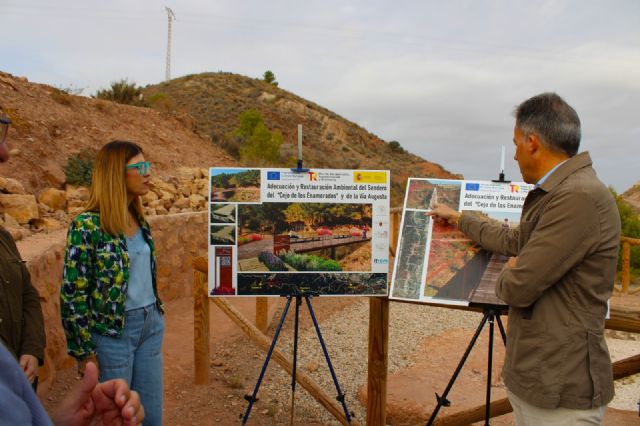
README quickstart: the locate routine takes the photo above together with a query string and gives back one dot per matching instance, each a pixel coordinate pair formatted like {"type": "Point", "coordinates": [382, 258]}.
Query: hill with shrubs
{"type": "Point", "coordinates": [50, 127]}
{"type": "Point", "coordinates": [210, 119]}
{"type": "Point", "coordinates": [231, 109]}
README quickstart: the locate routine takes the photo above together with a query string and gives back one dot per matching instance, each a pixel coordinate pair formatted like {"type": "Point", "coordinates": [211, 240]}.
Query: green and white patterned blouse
{"type": "Point", "coordinates": [94, 282]}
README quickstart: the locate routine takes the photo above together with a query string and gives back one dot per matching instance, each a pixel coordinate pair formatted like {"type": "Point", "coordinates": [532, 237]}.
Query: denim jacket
{"type": "Point", "coordinates": [94, 282]}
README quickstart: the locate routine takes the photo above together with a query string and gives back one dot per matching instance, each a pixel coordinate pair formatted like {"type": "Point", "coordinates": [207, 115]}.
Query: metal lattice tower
{"type": "Point", "coordinates": [171, 17]}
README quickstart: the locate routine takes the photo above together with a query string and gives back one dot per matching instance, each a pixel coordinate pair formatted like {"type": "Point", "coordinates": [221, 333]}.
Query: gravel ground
{"type": "Point", "coordinates": [347, 344]}
{"type": "Point", "coordinates": [623, 345]}
{"type": "Point", "coordinates": [346, 336]}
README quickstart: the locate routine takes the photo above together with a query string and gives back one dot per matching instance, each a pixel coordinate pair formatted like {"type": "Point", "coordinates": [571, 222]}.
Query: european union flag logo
{"type": "Point", "coordinates": [472, 187]}
{"type": "Point", "coordinates": [273, 175]}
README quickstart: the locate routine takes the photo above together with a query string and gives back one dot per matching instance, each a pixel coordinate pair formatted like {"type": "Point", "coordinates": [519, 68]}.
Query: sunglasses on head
{"type": "Point", "coordinates": [142, 167]}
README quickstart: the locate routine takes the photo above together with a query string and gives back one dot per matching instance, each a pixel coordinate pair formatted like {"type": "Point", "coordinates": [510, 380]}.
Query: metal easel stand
{"type": "Point", "coordinates": [491, 315]}
{"type": "Point", "coordinates": [298, 295]}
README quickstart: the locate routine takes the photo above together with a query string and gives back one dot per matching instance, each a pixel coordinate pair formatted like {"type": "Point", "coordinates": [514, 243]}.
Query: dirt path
{"type": "Point", "coordinates": [417, 371]}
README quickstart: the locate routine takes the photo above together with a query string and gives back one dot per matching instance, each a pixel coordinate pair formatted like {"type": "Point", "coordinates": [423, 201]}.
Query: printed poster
{"type": "Point", "coordinates": [277, 231]}
{"type": "Point", "coordinates": [437, 263]}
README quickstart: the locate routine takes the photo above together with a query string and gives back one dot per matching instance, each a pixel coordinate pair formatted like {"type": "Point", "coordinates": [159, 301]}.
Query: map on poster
{"type": "Point", "coordinates": [435, 262]}
{"type": "Point", "coordinates": [275, 231]}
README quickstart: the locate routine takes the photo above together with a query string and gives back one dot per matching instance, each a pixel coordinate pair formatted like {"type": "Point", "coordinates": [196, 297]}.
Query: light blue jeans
{"type": "Point", "coordinates": [136, 357]}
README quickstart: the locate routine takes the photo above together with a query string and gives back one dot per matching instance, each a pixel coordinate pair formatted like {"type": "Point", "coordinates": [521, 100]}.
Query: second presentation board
{"type": "Point", "coordinates": [435, 262]}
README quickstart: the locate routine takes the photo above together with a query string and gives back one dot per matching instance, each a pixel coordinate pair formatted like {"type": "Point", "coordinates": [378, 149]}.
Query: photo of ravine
{"type": "Point", "coordinates": [304, 237]}
{"type": "Point", "coordinates": [235, 185]}
{"type": "Point", "coordinates": [423, 193]}
{"type": "Point", "coordinates": [460, 269]}
{"type": "Point", "coordinates": [223, 213]}
{"type": "Point", "coordinates": [222, 235]}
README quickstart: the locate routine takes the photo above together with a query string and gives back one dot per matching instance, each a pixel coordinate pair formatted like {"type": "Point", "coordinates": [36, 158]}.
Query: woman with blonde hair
{"type": "Point", "coordinates": [111, 312]}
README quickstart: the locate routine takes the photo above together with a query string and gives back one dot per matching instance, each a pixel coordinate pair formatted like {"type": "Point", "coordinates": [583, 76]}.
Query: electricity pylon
{"type": "Point", "coordinates": [171, 17]}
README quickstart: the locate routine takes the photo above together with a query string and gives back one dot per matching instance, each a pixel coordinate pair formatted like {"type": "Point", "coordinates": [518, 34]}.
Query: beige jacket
{"type": "Point", "coordinates": [567, 247]}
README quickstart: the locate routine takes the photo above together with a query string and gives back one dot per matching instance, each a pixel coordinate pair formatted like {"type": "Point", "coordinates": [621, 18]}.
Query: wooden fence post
{"type": "Point", "coordinates": [626, 266]}
{"type": "Point", "coordinates": [262, 313]}
{"type": "Point", "coordinates": [377, 364]}
{"type": "Point", "coordinates": [200, 322]}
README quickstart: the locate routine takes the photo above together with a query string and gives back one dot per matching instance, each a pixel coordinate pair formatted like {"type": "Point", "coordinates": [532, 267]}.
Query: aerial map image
{"type": "Point", "coordinates": [412, 250]}
{"type": "Point", "coordinates": [423, 193]}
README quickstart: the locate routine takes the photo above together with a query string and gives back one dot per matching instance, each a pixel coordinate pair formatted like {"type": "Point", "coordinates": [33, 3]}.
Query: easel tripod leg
{"type": "Point", "coordinates": [252, 398]}
{"type": "Point", "coordinates": [501, 327]}
{"type": "Point", "coordinates": [295, 359]}
{"type": "Point", "coordinates": [340, 396]}
{"type": "Point", "coordinates": [442, 400]}
{"type": "Point", "coordinates": [487, 406]}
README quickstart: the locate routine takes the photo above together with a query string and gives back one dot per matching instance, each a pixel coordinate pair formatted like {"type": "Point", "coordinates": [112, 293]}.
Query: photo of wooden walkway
{"type": "Point", "coordinates": [248, 253]}
{"type": "Point", "coordinates": [485, 292]}
{"type": "Point", "coordinates": [300, 245]}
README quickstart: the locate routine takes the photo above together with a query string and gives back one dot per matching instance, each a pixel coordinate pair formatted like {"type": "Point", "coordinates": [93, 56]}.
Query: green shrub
{"type": "Point", "coordinates": [630, 221]}
{"type": "Point", "coordinates": [79, 168]}
{"type": "Point", "coordinates": [122, 92]}
{"type": "Point", "coordinates": [306, 262]}
{"type": "Point", "coordinates": [160, 102]}
{"type": "Point", "coordinates": [396, 147]}
{"type": "Point", "coordinates": [252, 142]}
{"type": "Point", "coordinates": [269, 77]}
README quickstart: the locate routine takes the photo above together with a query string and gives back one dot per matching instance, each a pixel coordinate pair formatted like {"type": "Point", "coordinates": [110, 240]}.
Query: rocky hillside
{"type": "Point", "coordinates": [215, 101]}
{"type": "Point", "coordinates": [632, 196]}
{"type": "Point", "coordinates": [49, 126]}
{"type": "Point", "coordinates": [182, 135]}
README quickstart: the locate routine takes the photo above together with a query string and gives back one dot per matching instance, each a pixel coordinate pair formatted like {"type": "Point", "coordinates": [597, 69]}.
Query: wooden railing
{"type": "Point", "coordinates": [626, 264]}
{"type": "Point", "coordinates": [623, 319]}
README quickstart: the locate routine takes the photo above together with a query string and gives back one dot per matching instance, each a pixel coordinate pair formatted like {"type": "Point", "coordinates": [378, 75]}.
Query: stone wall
{"type": "Point", "coordinates": [178, 238]}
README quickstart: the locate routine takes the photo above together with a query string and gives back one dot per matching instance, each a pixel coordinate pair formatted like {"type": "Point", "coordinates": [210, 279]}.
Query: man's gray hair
{"type": "Point", "coordinates": [554, 121]}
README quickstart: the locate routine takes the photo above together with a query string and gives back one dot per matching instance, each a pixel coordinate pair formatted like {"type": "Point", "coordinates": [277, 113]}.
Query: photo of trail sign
{"type": "Point", "coordinates": [435, 262]}
{"type": "Point", "coordinates": [276, 231]}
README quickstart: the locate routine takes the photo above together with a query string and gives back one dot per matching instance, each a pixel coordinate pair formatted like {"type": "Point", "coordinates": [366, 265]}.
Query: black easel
{"type": "Point", "coordinates": [491, 315]}
{"type": "Point", "coordinates": [298, 295]}
{"type": "Point", "coordinates": [294, 291]}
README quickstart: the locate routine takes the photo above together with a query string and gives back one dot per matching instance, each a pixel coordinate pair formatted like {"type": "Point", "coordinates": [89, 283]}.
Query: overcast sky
{"type": "Point", "coordinates": [440, 77]}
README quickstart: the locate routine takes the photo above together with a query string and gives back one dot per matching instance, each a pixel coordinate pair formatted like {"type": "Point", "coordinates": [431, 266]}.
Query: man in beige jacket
{"type": "Point", "coordinates": [560, 276]}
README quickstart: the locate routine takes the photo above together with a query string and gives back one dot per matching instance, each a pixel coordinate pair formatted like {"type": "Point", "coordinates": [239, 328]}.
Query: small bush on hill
{"type": "Point", "coordinates": [79, 168]}
{"type": "Point", "coordinates": [160, 102]}
{"type": "Point", "coordinates": [269, 77]}
{"type": "Point", "coordinates": [252, 142]}
{"type": "Point", "coordinates": [122, 92]}
{"type": "Point", "coordinates": [396, 147]}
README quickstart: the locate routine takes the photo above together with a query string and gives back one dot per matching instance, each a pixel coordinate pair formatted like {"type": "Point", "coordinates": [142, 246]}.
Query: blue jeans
{"type": "Point", "coordinates": [136, 357]}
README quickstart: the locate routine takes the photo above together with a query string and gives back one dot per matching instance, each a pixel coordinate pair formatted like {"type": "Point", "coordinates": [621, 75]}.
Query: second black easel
{"type": "Point", "coordinates": [292, 292]}
{"type": "Point", "coordinates": [491, 314]}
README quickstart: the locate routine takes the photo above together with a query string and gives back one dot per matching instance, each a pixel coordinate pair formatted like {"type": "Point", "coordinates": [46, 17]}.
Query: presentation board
{"type": "Point", "coordinates": [436, 263]}
{"type": "Point", "coordinates": [274, 231]}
